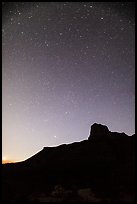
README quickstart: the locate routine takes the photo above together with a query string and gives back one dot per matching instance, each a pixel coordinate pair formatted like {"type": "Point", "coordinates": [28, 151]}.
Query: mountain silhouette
{"type": "Point", "coordinates": [101, 168]}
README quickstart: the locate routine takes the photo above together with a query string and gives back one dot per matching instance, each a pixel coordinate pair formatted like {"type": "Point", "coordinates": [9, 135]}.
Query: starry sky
{"type": "Point", "coordinates": [65, 66]}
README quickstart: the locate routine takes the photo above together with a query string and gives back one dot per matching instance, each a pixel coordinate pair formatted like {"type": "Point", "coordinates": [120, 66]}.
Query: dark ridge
{"type": "Point", "coordinates": [104, 164]}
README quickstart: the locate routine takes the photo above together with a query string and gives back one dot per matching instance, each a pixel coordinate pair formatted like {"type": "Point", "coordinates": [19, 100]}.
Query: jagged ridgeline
{"type": "Point", "coordinates": [101, 168]}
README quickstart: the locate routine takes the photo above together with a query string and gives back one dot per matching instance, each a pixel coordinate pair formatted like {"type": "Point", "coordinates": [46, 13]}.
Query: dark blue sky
{"type": "Point", "coordinates": [65, 65]}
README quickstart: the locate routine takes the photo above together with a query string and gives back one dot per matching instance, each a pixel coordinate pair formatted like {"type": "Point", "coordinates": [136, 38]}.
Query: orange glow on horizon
{"type": "Point", "coordinates": [5, 160]}
{"type": "Point", "coordinates": [8, 161]}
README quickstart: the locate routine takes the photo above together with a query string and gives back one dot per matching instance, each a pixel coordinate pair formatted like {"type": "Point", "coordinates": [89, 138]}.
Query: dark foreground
{"type": "Point", "coordinates": [99, 169]}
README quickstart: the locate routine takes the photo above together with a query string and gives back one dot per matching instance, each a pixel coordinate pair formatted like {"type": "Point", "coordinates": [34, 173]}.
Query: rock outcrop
{"type": "Point", "coordinates": [98, 132]}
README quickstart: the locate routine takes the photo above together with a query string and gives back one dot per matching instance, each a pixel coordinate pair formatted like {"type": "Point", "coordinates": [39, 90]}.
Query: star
{"type": "Point", "coordinates": [45, 120]}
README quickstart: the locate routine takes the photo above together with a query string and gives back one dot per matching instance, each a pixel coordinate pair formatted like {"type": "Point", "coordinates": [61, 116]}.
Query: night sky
{"type": "Point", "coordinates": [65, 66]}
